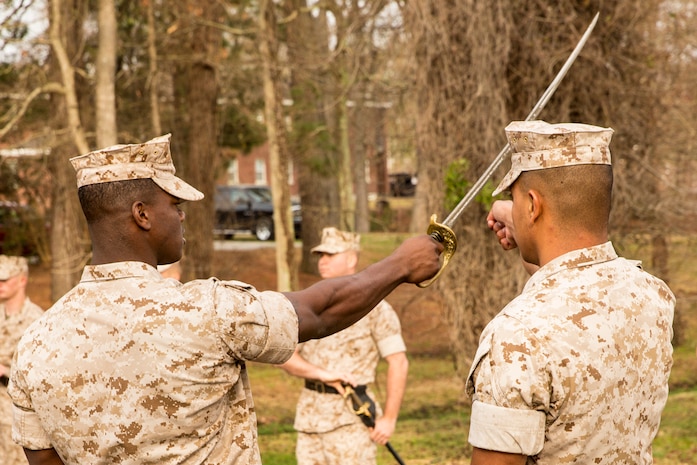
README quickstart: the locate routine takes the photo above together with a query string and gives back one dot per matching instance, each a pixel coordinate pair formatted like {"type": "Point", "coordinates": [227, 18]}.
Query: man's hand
{"type": "Point", "coordinates": [419, 257]}
{"type": "Point", "coordinates": [336, 380]}
{"type": "Point", "coordinates": [383, 430]}
{"type": "Point", "coordinates": [500, 220]}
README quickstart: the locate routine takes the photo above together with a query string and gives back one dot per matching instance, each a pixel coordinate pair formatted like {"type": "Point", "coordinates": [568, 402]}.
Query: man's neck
{"type": "Point", "coordinates": [14, 304]}
{"type": "Point", "coordinates": [550, 253]}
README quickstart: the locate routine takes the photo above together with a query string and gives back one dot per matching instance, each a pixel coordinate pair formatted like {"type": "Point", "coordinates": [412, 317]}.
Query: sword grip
{"type": "Point", "coordinates": [446, 236]}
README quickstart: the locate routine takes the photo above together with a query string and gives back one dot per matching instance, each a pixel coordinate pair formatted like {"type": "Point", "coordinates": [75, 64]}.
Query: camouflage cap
{"type": "Point", "coordinates": [538, 145]}
{"type": "Point", "coordinates": [11, 266]}
{"type": "Point", "coordinates": [336, 241]}
{"type": "Point", "coordinates": [149, 160]}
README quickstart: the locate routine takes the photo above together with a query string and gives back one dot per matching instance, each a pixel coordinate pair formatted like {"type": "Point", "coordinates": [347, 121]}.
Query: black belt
{"type": "Point", "coordinates": [327, 389]}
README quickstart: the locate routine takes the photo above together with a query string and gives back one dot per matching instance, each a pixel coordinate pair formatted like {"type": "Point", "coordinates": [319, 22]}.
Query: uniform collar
{"type": "Point", "coordinates": [575, 259]}
{"type": "Point", "coordinates": [119, 270]}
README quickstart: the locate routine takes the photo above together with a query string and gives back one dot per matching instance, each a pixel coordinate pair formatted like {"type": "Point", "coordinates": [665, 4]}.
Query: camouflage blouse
{"type": "Point", "coordinates": [357, 350]}
{"type": "Point", "coordinates": [131, 368]}
{"type": "Point", "coordinates": [575, 369]}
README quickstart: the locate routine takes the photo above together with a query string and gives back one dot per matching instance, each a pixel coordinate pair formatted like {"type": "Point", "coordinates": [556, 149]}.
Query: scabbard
{"type": "Point", "coordinates": [394, 453]}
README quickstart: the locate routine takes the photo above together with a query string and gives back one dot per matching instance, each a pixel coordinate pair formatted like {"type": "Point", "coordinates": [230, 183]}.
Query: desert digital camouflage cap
{"type": "Point", "coordinates": [336, 241]}
{"type": "Point", "coordinates": [149, 160]}
{"type": "Point", "coordinates": [11, 266]}
{"type": "Point", "coordinates": [539, 145]}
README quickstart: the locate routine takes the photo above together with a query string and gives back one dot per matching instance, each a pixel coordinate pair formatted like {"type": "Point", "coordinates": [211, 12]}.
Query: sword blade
{"type": "Point", "coordinates": [505, 152]}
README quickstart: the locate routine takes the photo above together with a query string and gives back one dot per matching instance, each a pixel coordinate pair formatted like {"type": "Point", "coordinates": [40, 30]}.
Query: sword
{"type": "Point", "coordinates": [442, 232]}
{"type": "Point", "coordinates": [365, 409]}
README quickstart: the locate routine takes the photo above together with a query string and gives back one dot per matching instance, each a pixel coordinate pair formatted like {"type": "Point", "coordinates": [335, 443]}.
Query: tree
{"type": "Point", "coordinates": [287, 277]}
{"type": "Point", "coordinates": [333, 59]}
{"type": "Point", "coordinates": [480, 65]}
{"type": "Point", "coordinates": [105, 94]}
{"type": "Point", "coordinates": [309, 140]}
{"type": "Point", "coordinates": [461, 51]}
{"type": "Point", "coordinates": [68, 228]}
{"type": "Point", "coordinates": [195, 146]}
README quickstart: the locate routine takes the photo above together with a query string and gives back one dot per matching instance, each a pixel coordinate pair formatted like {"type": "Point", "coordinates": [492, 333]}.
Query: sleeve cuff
{"type": "Point", "coordinates": [508, 430]}
{"type": "Point", "coordinates": [391, 345]}
{"type": "Point", "coordinates": [282, 336]}
{"type": "Point", "coordinates": [27, 430]}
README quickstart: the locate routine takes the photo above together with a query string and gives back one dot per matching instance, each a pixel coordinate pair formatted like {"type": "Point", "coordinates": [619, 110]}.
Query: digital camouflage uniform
{"type": "Point", "coordinates": [328, 431]}
{"type": "Point", "coordinates": [11, 329]}
{"type": "Point", "coordinates": [131, 368]}
{"type": "Point", "coordinates": [575, 369]}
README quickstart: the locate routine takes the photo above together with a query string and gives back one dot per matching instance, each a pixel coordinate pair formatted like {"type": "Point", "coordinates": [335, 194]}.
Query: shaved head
{"type": "Point", "coordinates": [105, 200]}
{"type": "Point", "coordinates": [577, 196]}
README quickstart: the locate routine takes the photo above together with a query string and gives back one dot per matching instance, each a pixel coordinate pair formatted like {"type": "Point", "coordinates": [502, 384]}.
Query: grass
{"type": "Point", "coordinates": [677, 438]}
{"type": "Point", "coordinates": [434, 419]}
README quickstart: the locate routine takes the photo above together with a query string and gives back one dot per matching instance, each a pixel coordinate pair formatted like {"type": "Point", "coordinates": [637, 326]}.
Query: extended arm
{"type": "Point", "coordinates": [490, 457]}
{"type": "Point", "coordinates": [43, 457]}
{"type": "Point", "coordinates": [397, 370]}
{"type": "Point", "coordinates": [334, 304]}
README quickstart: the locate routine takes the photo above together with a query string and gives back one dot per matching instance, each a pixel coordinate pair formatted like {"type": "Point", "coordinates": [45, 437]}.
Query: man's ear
{"type": "Point", "coordinates": [353, 260]}
{"type": "Point", "coordinates": [534, 205]}
{"type": "Point", "coordinates": [139, 212]}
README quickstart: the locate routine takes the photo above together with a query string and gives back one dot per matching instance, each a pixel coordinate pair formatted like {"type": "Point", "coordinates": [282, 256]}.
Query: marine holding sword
{"type": "Point", "coordinates": [132, 368]}
{"type": "Point", "coordinates": [575, 369]}
{"type": "Point", "coordinates": [339, 369]}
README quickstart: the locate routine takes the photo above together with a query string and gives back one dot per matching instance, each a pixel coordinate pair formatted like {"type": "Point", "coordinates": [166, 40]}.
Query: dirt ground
{"type": "Point", "coordinates": [422, 316]}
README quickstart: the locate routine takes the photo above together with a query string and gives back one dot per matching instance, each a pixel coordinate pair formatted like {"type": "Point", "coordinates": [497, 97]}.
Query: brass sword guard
{"type": "Point", "coordinates": [446, 236]}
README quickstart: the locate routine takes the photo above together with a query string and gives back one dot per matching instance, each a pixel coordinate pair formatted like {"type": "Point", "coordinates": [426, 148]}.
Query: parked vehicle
{"type": "Point", "coordinates": [402, 184]}
{"type": "Point", "coordinates": [248, 209]}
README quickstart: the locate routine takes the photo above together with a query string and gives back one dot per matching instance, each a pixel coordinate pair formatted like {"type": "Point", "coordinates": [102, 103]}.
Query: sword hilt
{"type": "Point", "coordinates": [445, 236]}
{"type": "Point", "coordinates": [363, 411]}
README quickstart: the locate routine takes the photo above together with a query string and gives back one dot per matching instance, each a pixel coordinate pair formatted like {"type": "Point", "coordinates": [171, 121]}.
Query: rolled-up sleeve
{"type": "Point", "coordinates": [506, 430]}
{"type": "Point", "coordinates": [387, 330]}
{"type": "Point", "coordinates": [26, 425]}
{"type": "Point", "coordinates": [257, 326]}
{"type": "Point", "coordinates": [510, 391]}
{"type": "Point", "coordinates": [27, 430]}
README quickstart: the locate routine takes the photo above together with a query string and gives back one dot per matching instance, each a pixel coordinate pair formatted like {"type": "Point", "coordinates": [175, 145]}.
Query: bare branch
{"type": "Point", "coordinates": [14, 118]}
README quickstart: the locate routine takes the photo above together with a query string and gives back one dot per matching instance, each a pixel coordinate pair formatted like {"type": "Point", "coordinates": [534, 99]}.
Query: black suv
{"type": "Point", "coordinates": [248, 209]}
{"type": "Point", "coordinates": [402, 184]}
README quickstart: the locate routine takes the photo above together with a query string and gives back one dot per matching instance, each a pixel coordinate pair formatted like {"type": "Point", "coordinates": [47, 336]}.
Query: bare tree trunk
{"type": "Point", "coordinates": [197, 135]}
{"type": "Point", "coordinates": [346, 191]}
{"type": "Point", "coordinates": [462, 118]}
{"type": "Point", "coordinates": [68, 230]}
{"type": "Point", "coordinates": [106, 69]}
{"type": "Point", "coordinates": [57, 39]}
{"type": "Point", "coordinates": [507, 69]}
{"type": "Point", "coordinates": [307, 55]}
{"type": "Point", "coordinates": [153, 79]}
{"type": "Point", "coordinates": [287, 277]}
{"type": "Point", "coordinates": [361, 135]}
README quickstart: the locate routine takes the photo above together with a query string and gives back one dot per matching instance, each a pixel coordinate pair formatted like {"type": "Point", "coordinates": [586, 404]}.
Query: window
{"type": "Point", "coordinates": [233, 173]}
{"type": "Point", "coordinates": [260, 172]}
